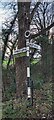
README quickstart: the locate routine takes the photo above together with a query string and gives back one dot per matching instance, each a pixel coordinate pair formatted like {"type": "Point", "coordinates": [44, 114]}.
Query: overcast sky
{"type": "Point", "coordinates": [4, 11]}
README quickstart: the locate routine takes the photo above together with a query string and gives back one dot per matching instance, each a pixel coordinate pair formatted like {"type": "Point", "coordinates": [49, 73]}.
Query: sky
{"type": "Point", "coordinates": [4, 11]}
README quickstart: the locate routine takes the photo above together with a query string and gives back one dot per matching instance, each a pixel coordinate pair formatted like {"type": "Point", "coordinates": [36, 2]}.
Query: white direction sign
{"type": "Point", "coordinates": [31, 45]}
{"type": "Point", "coordinates": [19, 50]}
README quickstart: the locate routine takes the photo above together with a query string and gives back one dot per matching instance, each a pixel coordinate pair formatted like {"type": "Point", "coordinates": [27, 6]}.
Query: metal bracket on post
{"type": "Point", "coordinates": [27, 34]}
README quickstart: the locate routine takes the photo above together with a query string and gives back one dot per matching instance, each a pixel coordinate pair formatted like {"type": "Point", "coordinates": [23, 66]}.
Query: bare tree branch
{"type": "Point", "coordinates": [33, 11]}
{"type": "Point", "coordinates": [8, 33]}
{"type": "Point", "coordinates": [40, 23]}
{"type": "Point", "coordinates": [11, 52]}
{"type": "Point", "coordinates": [43, 31]}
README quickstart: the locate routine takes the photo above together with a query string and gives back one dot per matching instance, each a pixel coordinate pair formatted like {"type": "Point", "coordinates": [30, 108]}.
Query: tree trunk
{"type": "Point", "coordinates": [53, 76]}
{"type": "Point", "coordinates": [21, 62]}
{"type": "Point", "coordinates": [44, 45]}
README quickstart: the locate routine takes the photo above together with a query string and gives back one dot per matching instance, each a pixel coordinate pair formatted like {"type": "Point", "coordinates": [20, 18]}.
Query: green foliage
{"type": "Point", "coordinates": [9, 82]}
{"type": "Point", "coordinates": [42, 39]}
{"type": "Point", "coordinates": [6, 61]}
{"type": "Point", "coordinates": [34, 61]}
{"type": "Point", "coordinates": [10, 91]}
{"type": "Point", "coordinates": [8, 111]}
{"type": "Point", "coordinates": [42, 96]}
{"type": "Point", "coordinates": [20, 54]}
{"type": "Point", "coordinates": [38, 84]}
{"type": "Point", "coordinates": [20, 108]}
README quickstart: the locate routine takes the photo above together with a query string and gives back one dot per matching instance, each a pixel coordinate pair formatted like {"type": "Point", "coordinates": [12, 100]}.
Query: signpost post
{"type": "Point", "coordinates": [29, 91]}
{"type": "Point", "coordinates": [27, 51]}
